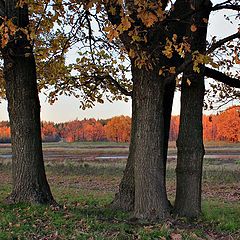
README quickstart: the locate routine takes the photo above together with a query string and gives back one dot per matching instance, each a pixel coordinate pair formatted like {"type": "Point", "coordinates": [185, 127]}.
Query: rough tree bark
{"type": "Point", "coordinates": [150, 190]}
{"type": "Point", "coordinates": [125, 197]}
{"type": "Point", "coordinates": [29, 179]}
{"type": "Point", "coordinates": [190, 139]}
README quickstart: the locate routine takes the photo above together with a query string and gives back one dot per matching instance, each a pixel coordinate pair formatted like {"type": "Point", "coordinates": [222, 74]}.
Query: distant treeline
{"type": "Point", "coordinates": [221, 127]}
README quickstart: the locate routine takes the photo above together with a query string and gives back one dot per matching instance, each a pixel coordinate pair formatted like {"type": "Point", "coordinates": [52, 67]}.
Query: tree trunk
{"type": "Point", "coordinates": [29, 179]}
{"type": "Point", "coordinates": [190, 140]}
{"type": "Point", "coordinates": [150, 190]}
{"type": "Point", "coordinates": [190, 149]}
{"type": "Point", "coordinates": [124, 199]}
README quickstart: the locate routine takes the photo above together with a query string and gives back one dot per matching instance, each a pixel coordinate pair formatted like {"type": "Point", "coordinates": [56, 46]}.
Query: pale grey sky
{"type": "Point", "coordinates": [67, 108]}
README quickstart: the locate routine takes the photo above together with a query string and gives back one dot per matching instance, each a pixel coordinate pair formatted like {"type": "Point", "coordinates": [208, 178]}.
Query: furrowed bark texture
{"type": "Point", "coordinates": [190, 140]}
{"type": "Point", "coordinates": [29, 179]}
{"type": "Point", "coordinates": [150, 190]}
{"type": "Point", "coordinates": [124, 199]}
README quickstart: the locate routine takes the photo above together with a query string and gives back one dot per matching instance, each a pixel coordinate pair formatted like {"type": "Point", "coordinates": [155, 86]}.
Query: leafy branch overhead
{"type": "Point", "coordinates": [79, 47]}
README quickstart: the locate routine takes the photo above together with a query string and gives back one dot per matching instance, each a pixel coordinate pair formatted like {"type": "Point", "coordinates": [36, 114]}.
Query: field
{"type": "Point", "coordinates": [84, 178]}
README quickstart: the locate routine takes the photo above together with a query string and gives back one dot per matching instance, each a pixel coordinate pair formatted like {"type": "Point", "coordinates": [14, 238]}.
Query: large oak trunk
{"type": "Point", "coordinates": [190, 149]}
{"type": "Point", "coordinates": [29, 179]}
{"type": "Point", "coordinates": [190, 140]}
{"type": "Point", "coordinates": [150, 190]}
{"type": "Point", "coordinates": [124, 199]}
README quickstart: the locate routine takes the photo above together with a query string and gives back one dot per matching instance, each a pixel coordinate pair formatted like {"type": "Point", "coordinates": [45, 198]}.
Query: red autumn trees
{"type": "Point", "coordinates": [118, 129]}
{"type": "Point", "coordinates": [221, 127]}
{"type": "Point", "coordinates": [228, 125]}
{"type": "Point", "coordinates": [5, 135]}
{"type": "Point", "coordinates": [49, 132]}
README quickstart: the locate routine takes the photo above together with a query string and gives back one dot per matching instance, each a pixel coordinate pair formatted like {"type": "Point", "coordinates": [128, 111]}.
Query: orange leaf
{"type": "Point", "coordinates": [237, 59]}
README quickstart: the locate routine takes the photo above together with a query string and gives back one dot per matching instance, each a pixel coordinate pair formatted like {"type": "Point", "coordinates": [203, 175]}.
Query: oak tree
{"type": "Point", "coordinates": [29, 178]}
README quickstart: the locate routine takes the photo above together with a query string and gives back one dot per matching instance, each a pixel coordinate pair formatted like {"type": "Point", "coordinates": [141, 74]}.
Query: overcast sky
{"type": "Point", "coordinates": [67, 108]}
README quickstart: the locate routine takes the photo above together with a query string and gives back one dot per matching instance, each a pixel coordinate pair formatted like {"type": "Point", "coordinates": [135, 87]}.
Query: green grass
{"type": "Point", "coordinates": [85, 188]}
{"type": "Point", "coordinates": [225, 216]}
{"type": "Point", "coordinates": [86, 215]}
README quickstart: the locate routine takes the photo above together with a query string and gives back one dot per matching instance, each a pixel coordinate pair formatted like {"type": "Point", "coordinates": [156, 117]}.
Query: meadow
{"type": "Point", "coordinates": [84, 178]}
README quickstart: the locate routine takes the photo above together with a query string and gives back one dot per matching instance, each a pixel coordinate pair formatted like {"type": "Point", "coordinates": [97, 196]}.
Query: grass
{"type": "Point", "coordinates": [224, 215]}
{"type": "Point", "coordinates": [85, 188]}
{"type": "Point", "coordinates": [86, 215]}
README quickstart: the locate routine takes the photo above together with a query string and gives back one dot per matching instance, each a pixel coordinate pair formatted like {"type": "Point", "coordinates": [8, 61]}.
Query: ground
{"type": "Point", "coordinates": [84, 178]}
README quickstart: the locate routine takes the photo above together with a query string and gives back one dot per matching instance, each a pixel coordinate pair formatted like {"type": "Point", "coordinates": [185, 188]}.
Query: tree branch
{"type": "Point", "coordinates": [118, 86]}
{"type": "Point", "coordinates": [109, 78]}
{"type": "Point", "coordinates": [222, 41]}
{"type": "Point", "coordinates": [228, 6]}
{"type": "Point", "coordinates": [221, 77]}
{"type": "Point", "coordinates": [2, 8]}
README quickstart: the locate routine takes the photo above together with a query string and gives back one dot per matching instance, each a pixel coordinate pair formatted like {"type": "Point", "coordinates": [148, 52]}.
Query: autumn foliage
{"type": "Point", "coordinates": [224, 126]}
{"type": "Point", "coordinates": [118, 129]}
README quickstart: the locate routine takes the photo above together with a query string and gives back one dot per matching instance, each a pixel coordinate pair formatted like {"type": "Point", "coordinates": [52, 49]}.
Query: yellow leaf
{"type": "Point", "coordinates": [112, 10]}
{"type": "Point", "coordinates": [148, 18]}
{"type": "Point", "coordinates": [188, 82]}
{"type": "Point", "coordinates": [160, 72]}
{"type": "Point", "coordinates": [136, 38]}
{"type": "Point", "coordinates": [172, 70]}
{"type": "Point", "coordinates": [12, 28]}
{"type": "Point", "coordinates": [5, 39]}
{"type": "Point", "coordinates": [113, 33]}
{"type": "Point", "coordinates": [132, 53]}
{"type": "Point", "coordinates": [174, 38]}
{"type": "Point", "coordinates": [126, 23]}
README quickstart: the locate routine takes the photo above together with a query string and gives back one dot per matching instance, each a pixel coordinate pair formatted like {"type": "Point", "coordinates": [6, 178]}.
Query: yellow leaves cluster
{"type": "Point", "coordinates": [142, 59]}
{"type": "Point", "coordinates": [114, 31]}
{"type": "Point", "coordinates": [199, 59]}
{"type": "Point", "coordinates": [148, 18]}
{"type": "Point", "coordinates": [7, 29]}
{"type": "Point", "coordinates": [125, 24]}
{"type": "Point", "coordinates": [163, 71]}
{"type": "Point", "coordinates": [149, 12]}
{"type": "Point", "coordinates": [137, 36]}
{"type": "Point", "coordinates": [21, 3]}
{"type": "Point", "coordinates": [171, 45]}
{"type": "Point", "coordinates": [168, 49]}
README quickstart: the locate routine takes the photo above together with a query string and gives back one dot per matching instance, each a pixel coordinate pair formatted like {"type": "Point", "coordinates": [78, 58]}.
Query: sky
{"type": "Point", "coordinates": [67, 108]}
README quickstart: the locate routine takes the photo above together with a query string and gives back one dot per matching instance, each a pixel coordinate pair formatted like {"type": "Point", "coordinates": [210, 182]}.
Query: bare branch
{"type": "Point", "coordinates": [228, 6]}
{"type": "Point", "coordinates": [113, 81]}
{"type": "Point", "coordinates": [223, 41]}
{"type": "Point", "coordinates": [119, 87]}
{"type": "Point", "coordinates": [221, 77]}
